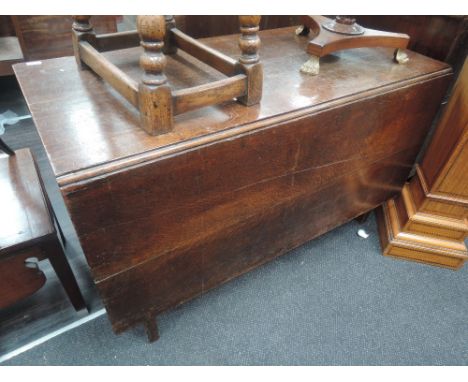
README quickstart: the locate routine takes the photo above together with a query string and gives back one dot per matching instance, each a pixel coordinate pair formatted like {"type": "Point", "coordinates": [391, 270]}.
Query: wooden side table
{"type": "Point", "coordinates": [428, 220]}
{"type": "Point", "coordinates": [28, 231]}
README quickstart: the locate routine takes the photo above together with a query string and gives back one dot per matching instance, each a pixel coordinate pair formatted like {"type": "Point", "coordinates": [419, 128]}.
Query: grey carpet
{"type": "Point", "coordinates": [333, 301]}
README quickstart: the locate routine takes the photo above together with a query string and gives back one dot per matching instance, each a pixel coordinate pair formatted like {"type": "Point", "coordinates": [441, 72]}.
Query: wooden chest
{"type": "Point", "coordinates": [163, 219]}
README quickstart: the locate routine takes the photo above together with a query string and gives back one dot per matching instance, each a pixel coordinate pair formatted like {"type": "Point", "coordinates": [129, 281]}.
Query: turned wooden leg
{"type": "Point", "coordinates": [151, 328]}
{"type": "Point", "coordinates": [155, 99]}
{"type": "Point", "coordinates": [82, 30]}
{"type": "Point", "coordinates": [54, 252]}
{"type": "Point", "coordinates": [249, 61]}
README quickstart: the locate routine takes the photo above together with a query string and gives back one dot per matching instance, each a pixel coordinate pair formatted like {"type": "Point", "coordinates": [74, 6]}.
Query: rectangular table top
{"type": "Point", "coordinates": [88, 129]}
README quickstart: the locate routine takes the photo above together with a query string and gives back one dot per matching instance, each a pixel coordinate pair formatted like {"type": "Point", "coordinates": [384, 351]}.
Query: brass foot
{"type": "Point", "coordinates": [400, 56]}
{"type": "Point", "coordinates": [302, 31]}
{"type": "Point", "coordinates": [312, 66]}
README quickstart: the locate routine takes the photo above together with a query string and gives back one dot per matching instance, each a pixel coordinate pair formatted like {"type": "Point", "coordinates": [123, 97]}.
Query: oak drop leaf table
{"type": "Point", "coordinates": [163, 219]}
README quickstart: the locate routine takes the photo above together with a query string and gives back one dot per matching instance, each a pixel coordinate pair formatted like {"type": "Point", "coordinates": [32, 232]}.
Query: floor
{"type": "Point", "coordinates": [334, 301]}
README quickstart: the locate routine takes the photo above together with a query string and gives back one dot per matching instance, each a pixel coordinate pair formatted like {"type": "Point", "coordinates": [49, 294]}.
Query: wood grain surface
{"type": "Point", "coordinates": [109, 126]}
{"type": "Point", "coordinates": [428, 221]}
{"type": "Point", "coordinates": [163, 219]}
{"type": "Point", "coordinates": [24, 213]}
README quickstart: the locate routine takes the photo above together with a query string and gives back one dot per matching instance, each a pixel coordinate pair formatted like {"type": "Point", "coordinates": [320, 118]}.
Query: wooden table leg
{"type": "Point", "coordinates": [62, 236]}
{"type": "Point", "coordinates": [4, 147]}
{"type": "Point", "coordinates": [151, 328]}
{"type": "Point", "coordinates": [54, 252]}
{"type": "Point", "coordinates": [363, 218]}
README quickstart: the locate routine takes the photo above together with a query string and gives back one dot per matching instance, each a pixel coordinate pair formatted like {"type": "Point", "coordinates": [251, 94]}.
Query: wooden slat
{"type": "Point", "coordinates": [209, 94]}
{"type": "Point", "coordinates": [121, 82]}
{"type": "Point", "coordinates": [212, 57]}
{"type": "Point", "coordinates": [119, 40]}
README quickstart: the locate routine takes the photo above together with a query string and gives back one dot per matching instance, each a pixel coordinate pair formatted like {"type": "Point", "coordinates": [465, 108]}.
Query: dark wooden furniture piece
{"type": "Point", "coordinates": [437, 36]}
{"type": "Point", "coordinates": [153, 96]}
{"type": "Point", "coordinates": [10, 54]}
{"type": "Point", "coordinates": [442, 37]}
{"type": "Point", "coordinates": [343, 32]}
{"type": "Point", "coordinates": [30, 38]}
{"type": "Point", "coordinates": [199, 26]}
{"type": "Point", "coordinates": [28, 232]}
{"type": "Point", "coordinates": [428, 220]}
{"type": "Point", "coordinates": [165, 218]}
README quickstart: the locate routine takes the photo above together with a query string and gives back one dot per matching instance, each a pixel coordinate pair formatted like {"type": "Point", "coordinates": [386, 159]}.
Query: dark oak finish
{"type": "Point", "coordinates": [49, 308]}
{"type": "Point", "coordinates": [6, 26]}
{"type": "Point", "coordinates": [115, 41]}
{"type": "Point", "coordinates": [17, 280]}
{"type": "Point", "coordinates": [45, 37]}
{"type": "Point", "coordinates": [442, 37]}
{"type": "Point", "coordinates": [28, 231]}
{"type": "Point", "coordinates": [25, 215]}
{"type": "Point", "coordinates": [165, 218]}
{"type": "Point", "coordinates": [199, 26]}
{"type": "Point", "coordinates": [10, 54]}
